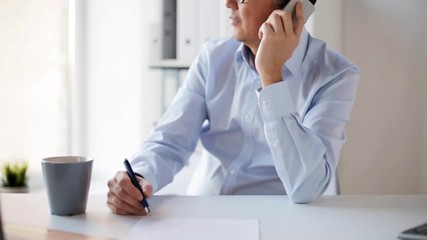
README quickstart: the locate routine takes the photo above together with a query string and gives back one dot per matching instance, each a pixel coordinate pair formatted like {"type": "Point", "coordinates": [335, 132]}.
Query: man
{"type": "Point", "coordinates": [269, 107]}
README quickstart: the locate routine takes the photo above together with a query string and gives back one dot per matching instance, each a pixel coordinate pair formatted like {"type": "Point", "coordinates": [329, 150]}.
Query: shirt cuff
{"type": "Point", "coordinates": [275, 101]}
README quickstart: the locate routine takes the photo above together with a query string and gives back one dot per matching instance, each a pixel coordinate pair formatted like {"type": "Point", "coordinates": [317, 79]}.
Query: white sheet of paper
{"type": "Point", "coordinates": [195, 229]}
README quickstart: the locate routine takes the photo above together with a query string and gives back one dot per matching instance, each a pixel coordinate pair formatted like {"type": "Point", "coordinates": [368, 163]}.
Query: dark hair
{"type": "Point", "coordinates": [282, 3]}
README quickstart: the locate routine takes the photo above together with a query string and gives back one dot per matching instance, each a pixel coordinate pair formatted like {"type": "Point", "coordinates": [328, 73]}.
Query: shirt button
{"type": "Point", "coordinates": [232, 171]}
{"type": "Point", "coordinates": [247, 117]}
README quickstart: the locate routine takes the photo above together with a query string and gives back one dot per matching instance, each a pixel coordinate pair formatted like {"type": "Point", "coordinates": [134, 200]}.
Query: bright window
{"type": "Point", "coordinates": [34, 95]}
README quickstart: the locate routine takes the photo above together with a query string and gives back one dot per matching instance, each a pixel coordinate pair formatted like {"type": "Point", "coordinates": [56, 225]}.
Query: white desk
{"type": "Point", "coordinates": [335, 217]}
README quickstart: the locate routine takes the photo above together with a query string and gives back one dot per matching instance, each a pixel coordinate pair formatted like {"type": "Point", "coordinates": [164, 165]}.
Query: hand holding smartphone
{"type": "Point", "coordinates": [284, 37]}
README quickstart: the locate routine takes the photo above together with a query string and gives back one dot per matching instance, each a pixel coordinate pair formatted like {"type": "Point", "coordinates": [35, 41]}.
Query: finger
{"type": "Point", "coordinates": [125, 184]}
{"type": "Point", "coordinates": [114, 209]}
{"type": "Point", "coordinates": [265, 29]}
{"type": "Point", "coordinates": [268, 21]}
{"type": "Point", "coordinates": [287, 23]}
{"type": "Point", "coordinates": [122, 208]}
{"type": "Point", "coordinates": [277, 22]}
{"type": "Point", "coordinates": [299, 20]}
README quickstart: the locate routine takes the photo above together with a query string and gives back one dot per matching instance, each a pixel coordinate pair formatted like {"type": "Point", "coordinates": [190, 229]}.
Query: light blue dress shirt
{"type": "Point", "coordinates": [285, 138]}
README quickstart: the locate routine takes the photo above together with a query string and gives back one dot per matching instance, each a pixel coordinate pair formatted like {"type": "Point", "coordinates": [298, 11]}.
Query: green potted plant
{"type": "Point", "coordinates": [14, 177]}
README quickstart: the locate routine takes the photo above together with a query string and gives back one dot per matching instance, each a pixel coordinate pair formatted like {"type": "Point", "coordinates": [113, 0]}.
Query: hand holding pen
{"type": "Point", "coordinates": [124, 198]}
{"type": "Point", "coordinates": [135, 182]}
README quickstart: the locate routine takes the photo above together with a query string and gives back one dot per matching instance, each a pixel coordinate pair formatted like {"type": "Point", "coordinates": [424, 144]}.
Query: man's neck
{"type": "Point", "coordinates": [254, 49]}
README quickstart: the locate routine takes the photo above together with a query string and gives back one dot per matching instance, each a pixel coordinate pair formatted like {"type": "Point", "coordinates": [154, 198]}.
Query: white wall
{"type": "Point", "coordinates": [424, 167]}
{"type": "Point", "coordinates": [423, 180]}
{"type": "Point", "coordinates": [122, 97]}
{"type": "Point", "coordinates": [327, 23]}
{"type": "Point", "coordinates": [387, 147]}
{"type": "Point", "coordinates": [385, 152]}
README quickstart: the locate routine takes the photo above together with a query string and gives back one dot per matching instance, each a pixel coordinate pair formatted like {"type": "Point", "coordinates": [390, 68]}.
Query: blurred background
{"type": "Point", "coordinates": [89, 78]}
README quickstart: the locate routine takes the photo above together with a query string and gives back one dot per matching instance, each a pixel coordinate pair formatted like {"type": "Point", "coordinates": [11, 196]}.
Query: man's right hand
{"type": "Point", "coordinates": [123, 198]}
{"type": "Point", "coordinates": [280, 36]}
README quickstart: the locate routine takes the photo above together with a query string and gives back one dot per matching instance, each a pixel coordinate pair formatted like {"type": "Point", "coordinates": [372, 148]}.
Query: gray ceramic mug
{"type": "Point", "coordinates": [67, 181]}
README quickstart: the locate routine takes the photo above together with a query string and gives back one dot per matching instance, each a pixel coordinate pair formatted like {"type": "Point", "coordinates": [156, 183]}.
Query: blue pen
{"type": "Point", "coordinates": [136, 184]}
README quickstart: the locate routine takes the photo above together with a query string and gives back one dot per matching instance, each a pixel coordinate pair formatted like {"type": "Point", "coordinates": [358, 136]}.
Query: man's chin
{"type": "Point", "coordinates": [238, 37]}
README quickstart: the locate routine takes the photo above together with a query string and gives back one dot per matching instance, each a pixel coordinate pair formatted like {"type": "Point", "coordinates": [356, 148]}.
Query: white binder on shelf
{"type": "Point", "coordinates": [156, 42]}
{"type": "Point", "coordinates": [187, 29]}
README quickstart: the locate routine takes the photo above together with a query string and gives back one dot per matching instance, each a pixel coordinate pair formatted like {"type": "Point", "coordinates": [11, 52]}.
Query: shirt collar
{"type": "Point", "coordinates": [243, 53]}
{"type": "Point", "coordinates": [293, 64]}
{"type": "Point", "coordinates": [239, 53]}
